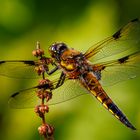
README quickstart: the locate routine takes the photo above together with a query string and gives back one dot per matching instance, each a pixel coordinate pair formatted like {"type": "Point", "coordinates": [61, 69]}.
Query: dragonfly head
{"type": "Point", "coordinates": [57, 49]}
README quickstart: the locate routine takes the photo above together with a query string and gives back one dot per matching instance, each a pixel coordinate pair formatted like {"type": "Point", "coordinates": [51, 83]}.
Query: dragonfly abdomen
{"type": "Point", "coordinates": [91, 83]}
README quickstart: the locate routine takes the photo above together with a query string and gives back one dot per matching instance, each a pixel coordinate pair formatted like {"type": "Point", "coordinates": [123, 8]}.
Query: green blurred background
{"type": "Point", "coordinates": [80, 24]}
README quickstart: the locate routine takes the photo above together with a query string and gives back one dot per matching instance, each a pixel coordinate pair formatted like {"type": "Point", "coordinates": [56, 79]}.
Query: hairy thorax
{"type": "Point", "coordinates": [73, 63]}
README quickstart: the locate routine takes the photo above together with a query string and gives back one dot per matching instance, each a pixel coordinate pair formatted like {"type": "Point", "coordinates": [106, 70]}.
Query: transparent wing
{"type": "Point", "coordinates": [24, 99]}
{"type": "Point", "coordinates": [21, 69]}
{"type": "Point", "coordinates": [18, 69]}
{"type": "Point", "coordinates": [69, 90]}
{"type": "Point", "coordinates": [126, 38]}
{"type": "Point", "coordinates": [124, 68]}
{"type": "Point", "coordinates": [28, 98]}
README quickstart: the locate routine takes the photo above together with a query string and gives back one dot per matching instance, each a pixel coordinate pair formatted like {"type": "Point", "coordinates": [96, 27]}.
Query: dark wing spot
{"type": "Point", "coordinates": [29, 62]}
{"type": "Point", "coordinates": [103, 67]}
{"type": "Point", "coordinates": [1, 62]}
{"type": "Point", "coordinates": [117, 34]}
{"type": "Point", "coordinates": [15, 94]}
{"type": "Point", "coordinates": [123, 60]}
{"type": "Point", "coordinates": [134, 20]}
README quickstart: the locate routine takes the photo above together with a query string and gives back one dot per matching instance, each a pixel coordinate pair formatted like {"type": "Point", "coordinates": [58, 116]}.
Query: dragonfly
{"type": "Point", "coordinates": [112, 60]}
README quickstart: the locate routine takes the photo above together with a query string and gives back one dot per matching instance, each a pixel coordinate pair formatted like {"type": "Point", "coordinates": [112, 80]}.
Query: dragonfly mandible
{"type": "Point", "coordinates": [110, 61]}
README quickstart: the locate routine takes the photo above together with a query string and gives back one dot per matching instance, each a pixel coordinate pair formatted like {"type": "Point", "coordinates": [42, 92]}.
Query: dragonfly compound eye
{"type": "Point", "coordinates": [57, 49]}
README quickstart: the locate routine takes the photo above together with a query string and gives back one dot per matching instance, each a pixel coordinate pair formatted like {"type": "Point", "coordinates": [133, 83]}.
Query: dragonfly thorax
{"type": "Point", "coordinates": [73, 63]}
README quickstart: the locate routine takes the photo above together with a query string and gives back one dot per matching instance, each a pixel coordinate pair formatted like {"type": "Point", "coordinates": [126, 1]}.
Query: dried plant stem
{"type": "Point", "coordinates": [44, 93]}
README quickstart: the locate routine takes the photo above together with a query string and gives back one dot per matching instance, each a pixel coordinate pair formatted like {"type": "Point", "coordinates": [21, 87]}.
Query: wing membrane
{"type": "Point", "coordinates": [18, 69]}
{"type": "Point", "coordinates": [126, 38]}
{"type": "Point", "coordinates": [24, 99]}
{"type": "Point", "coordinates": [28, 98]}
{"type": "Point", "coordinates": [127, 67]}
{"type": "Point", "coordinates": [21, 69]}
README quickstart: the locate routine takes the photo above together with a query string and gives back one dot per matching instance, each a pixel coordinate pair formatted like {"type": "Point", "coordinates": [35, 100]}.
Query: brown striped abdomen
{"type": "Point", "coordinates": [90, 82]}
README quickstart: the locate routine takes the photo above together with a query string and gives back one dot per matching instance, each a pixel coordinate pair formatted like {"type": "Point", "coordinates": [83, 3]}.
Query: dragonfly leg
{"type": "Point", "coordinates": [52, 71]}
{"type": "Point", "coordinates": [61, 80]}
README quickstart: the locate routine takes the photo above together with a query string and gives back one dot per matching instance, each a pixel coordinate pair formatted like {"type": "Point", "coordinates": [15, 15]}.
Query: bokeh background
{"type": "Point", "coordinates": [79, 23]}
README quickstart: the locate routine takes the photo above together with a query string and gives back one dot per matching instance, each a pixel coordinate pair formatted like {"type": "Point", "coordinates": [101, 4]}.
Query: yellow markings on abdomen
{"type": "Point", "coordinates": [91, 83]}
